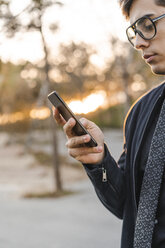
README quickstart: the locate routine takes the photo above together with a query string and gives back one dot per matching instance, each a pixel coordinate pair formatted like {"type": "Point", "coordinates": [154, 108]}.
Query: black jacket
{"type": "Point", "coordinates": [119, 192]}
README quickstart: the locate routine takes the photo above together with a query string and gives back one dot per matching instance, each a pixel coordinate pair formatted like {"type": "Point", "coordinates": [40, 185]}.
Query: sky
{"type": "Point", "coordinates": [90, 21]}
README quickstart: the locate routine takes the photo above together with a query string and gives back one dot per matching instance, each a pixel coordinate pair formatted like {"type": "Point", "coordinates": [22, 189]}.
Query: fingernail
{"type": "Point", "coordinates": [85, 139]}
{"type": "Point", "coordinates": [70, 124]}
{"type": "Point", "coordinates": [72, 121]}
{"type": "Point", "coordinates": [99, 149]}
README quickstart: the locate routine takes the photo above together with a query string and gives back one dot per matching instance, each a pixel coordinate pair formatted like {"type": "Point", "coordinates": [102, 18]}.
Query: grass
{"type": "Point", "coordinates": [47, 194]}
{"type": "Point", "coordinates": [43, 158]}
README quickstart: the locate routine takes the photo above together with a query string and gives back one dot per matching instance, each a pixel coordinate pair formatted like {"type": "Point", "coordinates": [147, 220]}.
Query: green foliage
{"type": "Point", "coordinates": [34, 12]}
{"type": "Point", "coordinates": [15, 93]}
{"type": "Point", "coordinates": [74, 71]}
{"type": "Point", "coordinates": [111, 117]}
{"type": "Point", "coordinates": [17, 127]}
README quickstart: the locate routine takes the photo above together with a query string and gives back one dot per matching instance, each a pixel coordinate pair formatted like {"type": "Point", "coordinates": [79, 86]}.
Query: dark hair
{"type": "Point", "coordinates": [126, 5]}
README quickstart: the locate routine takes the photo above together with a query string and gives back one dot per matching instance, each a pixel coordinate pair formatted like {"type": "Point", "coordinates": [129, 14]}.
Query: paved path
{"type": "Point", "coordinates": [77, 221]}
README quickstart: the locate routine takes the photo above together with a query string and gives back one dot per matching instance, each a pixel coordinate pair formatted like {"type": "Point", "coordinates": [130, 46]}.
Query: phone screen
{"type": "Point", "coordinates": [66, 113]}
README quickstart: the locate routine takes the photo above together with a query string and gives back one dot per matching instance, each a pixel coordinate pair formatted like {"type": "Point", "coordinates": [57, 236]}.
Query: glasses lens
{"type": "Point", "coordinates": [131, 34]}
{"type": "Point", "coordinates": [144, 27]}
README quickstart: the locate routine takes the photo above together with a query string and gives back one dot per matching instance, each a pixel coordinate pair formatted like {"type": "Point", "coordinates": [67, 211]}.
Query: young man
{"type": "Point", "coordinates": [134, 187]}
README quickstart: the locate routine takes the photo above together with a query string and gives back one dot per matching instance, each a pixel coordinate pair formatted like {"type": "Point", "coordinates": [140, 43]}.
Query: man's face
{"type": "Point", "coordinates": [153, 51]}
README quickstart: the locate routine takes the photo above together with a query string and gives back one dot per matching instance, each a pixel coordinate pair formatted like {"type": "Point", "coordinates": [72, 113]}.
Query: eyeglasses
{"type": "Point", "coordinates": [144, 26]}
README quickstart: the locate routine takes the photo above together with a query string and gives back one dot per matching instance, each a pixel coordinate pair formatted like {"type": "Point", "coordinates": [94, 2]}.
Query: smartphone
{"type": "Point", "coordinates": [66, 113]}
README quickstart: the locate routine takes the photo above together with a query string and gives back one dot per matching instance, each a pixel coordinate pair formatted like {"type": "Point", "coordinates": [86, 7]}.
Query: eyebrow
{"type": "Point", "coordinates": [147, 15]}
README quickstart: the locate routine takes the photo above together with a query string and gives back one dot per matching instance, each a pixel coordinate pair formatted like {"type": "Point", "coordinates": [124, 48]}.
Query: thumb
{"type": "Point", "coordinates": [86, 123]}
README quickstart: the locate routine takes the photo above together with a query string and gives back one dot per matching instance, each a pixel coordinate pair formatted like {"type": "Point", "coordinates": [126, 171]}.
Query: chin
{"type": "Point", "coordinates": [157, 70]}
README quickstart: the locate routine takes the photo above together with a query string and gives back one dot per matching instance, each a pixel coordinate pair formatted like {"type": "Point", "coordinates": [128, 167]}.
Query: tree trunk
{"type": "Point", "coordinates": [56, 160]}
{"type": "Point", "coordinates": [53, 126]}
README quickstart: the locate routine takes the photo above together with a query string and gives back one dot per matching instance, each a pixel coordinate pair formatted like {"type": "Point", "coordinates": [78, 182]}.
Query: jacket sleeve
{"type": "Point", "coordinates": [112, 190]}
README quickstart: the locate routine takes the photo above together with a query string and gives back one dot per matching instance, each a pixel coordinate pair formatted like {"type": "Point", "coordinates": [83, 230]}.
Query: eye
{"type": "Point", "coordinates": [145, 26]}
{"type": "Point", "coordinates": [148, 28]}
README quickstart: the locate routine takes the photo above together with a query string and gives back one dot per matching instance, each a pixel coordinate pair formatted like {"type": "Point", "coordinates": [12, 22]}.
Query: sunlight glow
{"type": "Point", "coordinates": [36, 113]}
{"type": "Point", "coordinates": [40, 113]}
{"type": "Point", "coordinates": [11, 118]}
{"type": "Point", "coordinates": [88, 104]}
{"type": "Point", "coordinates": [117, 98]}
{"type": "Point", "coordinates": [138, 86]}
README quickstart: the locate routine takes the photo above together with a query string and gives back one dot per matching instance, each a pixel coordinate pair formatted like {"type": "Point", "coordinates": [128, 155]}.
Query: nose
{"type": "Point", "coordinates": [141, 43]}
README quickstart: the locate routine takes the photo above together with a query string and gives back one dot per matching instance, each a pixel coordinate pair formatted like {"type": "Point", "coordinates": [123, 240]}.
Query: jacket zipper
{"type": "Point", "coordinates": [104, 175]}
{"type": "Point", "coordinates": [134, 191]}
{"type": "Point", "coordinates": [105, 179]}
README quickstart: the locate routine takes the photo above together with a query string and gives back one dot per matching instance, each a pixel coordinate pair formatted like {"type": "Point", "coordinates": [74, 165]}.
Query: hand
{"type": "Point", "coordinates": [88, 155]}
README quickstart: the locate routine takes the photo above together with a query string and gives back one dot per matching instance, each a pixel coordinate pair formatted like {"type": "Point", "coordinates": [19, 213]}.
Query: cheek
{"type": "Point", "coordinates": [159, 43]}
{"type": "Point", "coordinates": [162, 48]}
{"type": "Point", "coordinates": [160, 37]}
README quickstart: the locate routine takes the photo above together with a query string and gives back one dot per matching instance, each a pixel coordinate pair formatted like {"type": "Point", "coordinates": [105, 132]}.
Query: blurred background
{"type": "Point", "coordinates": [79, 49]}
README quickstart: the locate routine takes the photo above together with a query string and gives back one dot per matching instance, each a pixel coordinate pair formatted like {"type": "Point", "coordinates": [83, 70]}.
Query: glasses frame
{"type": "Point", "coordinates": [141, 35]}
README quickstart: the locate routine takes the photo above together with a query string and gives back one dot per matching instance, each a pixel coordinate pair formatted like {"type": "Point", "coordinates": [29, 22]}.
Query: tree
{"type": "Point", "coordinates": [12, 25]}
{"type": "Point", "coordinates": [74, 71]}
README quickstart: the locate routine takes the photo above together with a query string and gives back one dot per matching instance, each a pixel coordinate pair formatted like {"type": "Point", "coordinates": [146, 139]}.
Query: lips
{"type": "Point", "coordinates": [149, 57]}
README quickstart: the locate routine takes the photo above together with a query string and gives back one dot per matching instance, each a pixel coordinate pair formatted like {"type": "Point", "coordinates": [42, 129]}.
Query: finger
{"type": "Point", "coordinates": [68, 127]}
{"type": "Point", "coordinates": [86, 123]}
{"type": "Point", "coordinates": [78, 152]}
{"type": "Point", "coordinates": [90, 159]}
{"type": "Point", "coordinates": [76, 141]}
{"type": "Point", "coordinates": [58, 117]}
